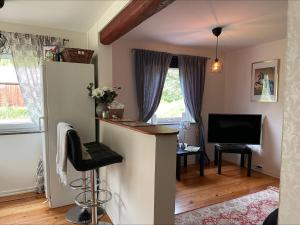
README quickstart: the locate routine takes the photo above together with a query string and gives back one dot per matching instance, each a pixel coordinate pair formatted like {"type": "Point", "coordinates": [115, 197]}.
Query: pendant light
{"type": "Point", "coordinates": [216, 66]}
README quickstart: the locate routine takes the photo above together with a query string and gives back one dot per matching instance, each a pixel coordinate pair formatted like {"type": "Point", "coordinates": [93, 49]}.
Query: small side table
{"type": "Point", "coordinates": [180, 153]}
{"type": "Point", "coordinates": [237, 149]}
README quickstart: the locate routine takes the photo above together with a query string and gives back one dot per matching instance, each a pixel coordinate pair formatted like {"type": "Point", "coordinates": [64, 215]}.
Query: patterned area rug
{"type": "Point", "coordinates": [250, 209]}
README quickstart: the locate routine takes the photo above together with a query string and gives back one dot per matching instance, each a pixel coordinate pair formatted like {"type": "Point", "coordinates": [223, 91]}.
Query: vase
{"type": "Point", "coordinates": [100, 108]}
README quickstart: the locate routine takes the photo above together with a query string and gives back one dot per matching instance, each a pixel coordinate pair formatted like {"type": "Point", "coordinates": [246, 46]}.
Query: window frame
{"type": "Point", "coordinates": [17, 126]}
{"type": "Point", "coordinates": [170, 120]}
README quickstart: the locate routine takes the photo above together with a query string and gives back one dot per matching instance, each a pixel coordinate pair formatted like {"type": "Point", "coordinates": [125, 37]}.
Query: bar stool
{"type": "Point", "coordinates": [78, 214]}
{"type": "Point", "coordinates": [100, 155]}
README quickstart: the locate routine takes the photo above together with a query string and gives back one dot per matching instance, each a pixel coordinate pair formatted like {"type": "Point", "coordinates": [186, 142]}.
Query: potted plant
{"type": "Point", "coordinates": [103, 96]}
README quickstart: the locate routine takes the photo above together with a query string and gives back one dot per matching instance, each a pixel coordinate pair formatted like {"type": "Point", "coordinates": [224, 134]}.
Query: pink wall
{"type": "Point", "coordinates": [227, 92]}
{"type": "Point", "coordinates": [237, 100]}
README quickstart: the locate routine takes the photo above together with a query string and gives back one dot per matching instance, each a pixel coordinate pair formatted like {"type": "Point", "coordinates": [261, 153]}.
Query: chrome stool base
{"type": "Point", "coordinates": [101, 223]}
{"type": "Point", "coordinates": [80, 215]}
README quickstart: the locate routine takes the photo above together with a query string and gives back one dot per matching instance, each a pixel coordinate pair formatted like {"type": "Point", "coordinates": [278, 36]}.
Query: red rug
{"type": "Point", "coordinates": [250, 209]}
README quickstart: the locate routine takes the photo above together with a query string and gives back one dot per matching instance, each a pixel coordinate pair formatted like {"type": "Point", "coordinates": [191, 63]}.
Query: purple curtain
{"type": "Point", "coordinates": [150, 73]}
{"type": "Point", "coordinates": [192, 78]}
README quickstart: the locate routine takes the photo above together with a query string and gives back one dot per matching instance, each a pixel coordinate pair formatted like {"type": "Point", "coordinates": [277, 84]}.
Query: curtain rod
{"type": "Point", "coordinates": [1, 31]}
{"type": "Point", "coordinates": [133, 49]}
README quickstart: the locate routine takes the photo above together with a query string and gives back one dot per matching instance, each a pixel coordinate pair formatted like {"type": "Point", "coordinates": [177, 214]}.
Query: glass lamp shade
{"type": "Point", "coordinates": [216, 66]}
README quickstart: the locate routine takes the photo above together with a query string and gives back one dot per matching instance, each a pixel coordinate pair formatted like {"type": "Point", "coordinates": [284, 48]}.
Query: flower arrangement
{"type": "Point", "coordinates": [104, 95]}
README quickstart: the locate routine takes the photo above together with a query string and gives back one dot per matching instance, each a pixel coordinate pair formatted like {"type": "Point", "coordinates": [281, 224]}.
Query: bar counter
{"type": "Point", "coordinates": [143, 185]}
{"type": "Point", "coordinates": [142, 127]}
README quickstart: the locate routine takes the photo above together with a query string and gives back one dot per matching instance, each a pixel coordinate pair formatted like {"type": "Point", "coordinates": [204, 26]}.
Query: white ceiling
{"type": "Point", "coordinates": [189, 22]}
{"type": "Point", "coordinates": [76, 15]}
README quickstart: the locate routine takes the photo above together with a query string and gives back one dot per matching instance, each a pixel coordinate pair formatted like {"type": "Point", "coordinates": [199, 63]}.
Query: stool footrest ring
{"type": "Point", "coordinates": [88, 203]}
{"type": "Point", "coordinates": [73, 184]}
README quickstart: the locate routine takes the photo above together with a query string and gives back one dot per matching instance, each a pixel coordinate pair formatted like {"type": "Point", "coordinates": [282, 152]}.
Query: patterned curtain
{"type": "Point", "coordinates": [27, 53]}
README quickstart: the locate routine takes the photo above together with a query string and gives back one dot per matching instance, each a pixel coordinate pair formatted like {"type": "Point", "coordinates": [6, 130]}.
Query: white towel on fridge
{"type": "Point", "coordinates": [62, 151]}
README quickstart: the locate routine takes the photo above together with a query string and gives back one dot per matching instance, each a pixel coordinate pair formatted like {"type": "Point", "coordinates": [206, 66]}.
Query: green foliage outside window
{"type": "Point", "coordinates": [171, 104]}
{"type": "Point", "coordinates": [5, 61]}
{"type": "Point", "coordinates": [11, 113]}
{"type": "Point", "coordinates": [172, 91]}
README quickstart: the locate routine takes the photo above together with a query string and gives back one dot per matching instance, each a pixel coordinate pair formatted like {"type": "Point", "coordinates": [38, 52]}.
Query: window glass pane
{"type": "Point", "coordinates": [171, 104]}
{"type": "Point", "coordinates": [12, 107]}
{"type": "Point", "coordinates": [7, 70]}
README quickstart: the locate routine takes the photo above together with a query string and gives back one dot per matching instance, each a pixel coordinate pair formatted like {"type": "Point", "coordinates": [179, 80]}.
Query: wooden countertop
{"type": "Point", "coordinates": [148, 129]}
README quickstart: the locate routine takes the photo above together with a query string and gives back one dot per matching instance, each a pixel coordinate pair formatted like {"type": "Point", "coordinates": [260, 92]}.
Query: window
{"type": "Point", "coordinates": [14, 116]}
{"type": "Point", "coordinates": [171, 108]}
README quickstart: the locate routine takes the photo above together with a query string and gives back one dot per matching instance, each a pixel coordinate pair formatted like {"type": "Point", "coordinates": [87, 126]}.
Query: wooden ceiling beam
{"type": "Point", "coordinates": [131, 16]}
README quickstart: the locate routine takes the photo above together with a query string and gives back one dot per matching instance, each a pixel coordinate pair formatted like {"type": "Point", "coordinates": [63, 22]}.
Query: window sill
{"type": "Point", "coordinates": [171, 123]}
{"type": "Point", "coordinates": [18, 128]}
{"type": "Point", "coordinates": [167, 123]}
{"type": "Point", "coordinates": [19, 132]}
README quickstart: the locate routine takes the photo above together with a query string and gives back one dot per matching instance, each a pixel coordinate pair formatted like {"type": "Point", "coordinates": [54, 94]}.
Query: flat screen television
{"type": "Point", "coordinates": [234, 128]}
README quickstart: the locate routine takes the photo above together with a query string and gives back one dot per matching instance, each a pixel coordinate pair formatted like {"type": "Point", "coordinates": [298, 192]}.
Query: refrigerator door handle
{"type": "Point", "coordinates": [41, 118]}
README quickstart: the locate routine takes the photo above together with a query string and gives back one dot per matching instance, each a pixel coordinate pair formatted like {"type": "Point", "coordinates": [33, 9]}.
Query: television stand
{"type": "Point", "coordinates": [232, 148]}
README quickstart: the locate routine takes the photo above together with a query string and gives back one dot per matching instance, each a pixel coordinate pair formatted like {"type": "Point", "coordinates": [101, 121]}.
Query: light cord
{"type": "Point", "coordinates": [217, 47]}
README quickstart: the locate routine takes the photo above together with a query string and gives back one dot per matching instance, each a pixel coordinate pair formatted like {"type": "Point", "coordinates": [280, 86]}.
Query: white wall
{"type": "Point", "coordinates": [123, 75]}
{"type": "Point", "coordinates": [20, 153]}
{"type": "Point", "coordinates": [237, 100]}
{"type": "Point", "coordinates": [23, 174]}
{"type": "Point", "coordinates": [227, 92]}
{"type": "Point", "coordinates": [18, 162]}
{"type": "Point", "coordinates": [77, 39]}
{"type": "Point", "coordinates": [143, 185]}
{"type": "Point", "coordinates": [104, 52]}
{"type": "Point", "coordinates": [289, 206]}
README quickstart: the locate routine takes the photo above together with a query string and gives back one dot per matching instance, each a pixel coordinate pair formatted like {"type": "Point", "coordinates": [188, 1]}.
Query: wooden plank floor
{"type": "Point", "coordinates": [192, 192]}
{"type": "Point", "coordinates": [31, 209]}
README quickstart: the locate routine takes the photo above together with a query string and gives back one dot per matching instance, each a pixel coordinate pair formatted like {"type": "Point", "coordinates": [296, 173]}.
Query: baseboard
{"type": "Point", "coordinates": [17, 191]}
{"type": "Point", "coordinates": [266, 173]}
{"type": "Point", "coordinates": [237, 162]}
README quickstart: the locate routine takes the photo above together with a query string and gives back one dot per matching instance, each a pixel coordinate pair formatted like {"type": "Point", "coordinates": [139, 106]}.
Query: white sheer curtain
{"type": "Point", "coordinates": [27, 53]}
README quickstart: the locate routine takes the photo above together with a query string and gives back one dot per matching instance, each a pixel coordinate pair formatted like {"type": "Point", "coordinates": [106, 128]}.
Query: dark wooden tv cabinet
{"type": "Point", "coordinates": [237, 149]}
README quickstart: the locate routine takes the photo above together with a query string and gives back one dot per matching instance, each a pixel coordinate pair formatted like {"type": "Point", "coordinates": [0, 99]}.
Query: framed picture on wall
{"type": "Point", "coordinates": [49, 52]}
{"type": "Point", "coordinates": [264, 81]}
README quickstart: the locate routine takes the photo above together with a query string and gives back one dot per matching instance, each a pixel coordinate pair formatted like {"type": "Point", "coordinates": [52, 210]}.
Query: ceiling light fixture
{"type": "Point", "coordinates": [1, 3]}
{"type": "Point", "coordinates": [216, 65]}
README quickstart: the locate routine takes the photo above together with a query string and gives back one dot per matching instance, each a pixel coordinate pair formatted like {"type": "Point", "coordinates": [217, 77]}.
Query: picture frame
{"type": "Point", "coordinates": [264, 81]}
{"type": "Point", "coordinates": [48, 52]}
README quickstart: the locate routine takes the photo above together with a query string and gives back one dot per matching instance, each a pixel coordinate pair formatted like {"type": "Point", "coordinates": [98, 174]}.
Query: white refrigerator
{"type": "Point", "coordinates": [66, 99]}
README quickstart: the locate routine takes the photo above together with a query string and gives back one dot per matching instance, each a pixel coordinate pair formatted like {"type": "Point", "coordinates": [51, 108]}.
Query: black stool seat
{"type": "Point", "coordinates": [94, 144]}
{"type": "Point", "coordinates": [99, 158]}
{"type": "Point", "coordinates": [100, 154]}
